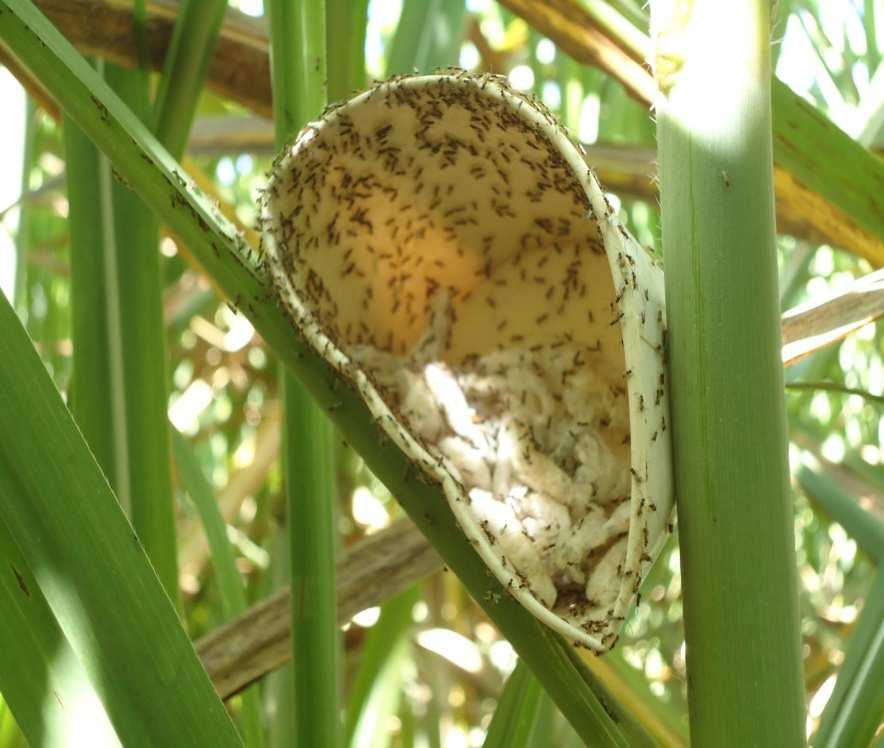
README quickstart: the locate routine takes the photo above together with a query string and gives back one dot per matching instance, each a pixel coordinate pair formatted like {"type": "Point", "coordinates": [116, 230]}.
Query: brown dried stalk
{"type": "Point", "coordinates": [369, 573]}
{"type": "Point", "coordinates": [807, 328]}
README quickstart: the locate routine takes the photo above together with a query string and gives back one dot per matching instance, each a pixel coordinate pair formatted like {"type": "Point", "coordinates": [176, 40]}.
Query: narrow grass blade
{"type": "Point", "coordinates": [230, 582]}
{"type": "Point", "coordinates": [383, 700]}
{"type": "Point", "coordinates": [856, 706]}
{"type": "Point", "coordinates": [805, 144]}
{"type": "Point", "coordinates": [216, 245]}
{"type": "Point", "coordinates": [664, 721]}
{"type": "Point", "coordinates": [545, 722]}
{"type": "Point", "coordinates": [735, 517]}
{"type": "Point", "coordinates": [184, 71]}
{"type": "Point", "coordinates": [41, 678]}
{"type": "Point", "coordinates": [518, 708]}
{"type": "Point", "coordinates": [428, 36]}
{"type": "Point", "coordinates": [379, 671]}
{"type": "Point", "coordinates": [91, 568]}
{"type": "Point", "coordinates": [863, 527]}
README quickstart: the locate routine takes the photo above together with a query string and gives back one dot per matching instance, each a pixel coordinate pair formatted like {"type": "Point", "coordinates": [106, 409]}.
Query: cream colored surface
{"type": "Point", "coordinates": [441, 241]}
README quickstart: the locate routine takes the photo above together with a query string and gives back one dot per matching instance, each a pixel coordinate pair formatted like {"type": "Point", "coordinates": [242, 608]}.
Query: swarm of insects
{"type": "Point", "coordinates": [442, 242]}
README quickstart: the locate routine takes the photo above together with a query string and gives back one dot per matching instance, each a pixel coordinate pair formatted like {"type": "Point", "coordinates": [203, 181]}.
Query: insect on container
{"type": "Point", "coordinates": [441, 241]}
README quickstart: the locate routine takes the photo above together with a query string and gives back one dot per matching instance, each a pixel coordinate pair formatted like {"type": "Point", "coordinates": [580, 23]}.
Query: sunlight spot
{"type": "Point", "coordinates": [187, 408]}
{"type": "Point", "coordinates": [168, 248]}
{"type": "Point", "coordinates": [454, 647]}
{"type": "Point", "coordinates": [819, 699]}
{"type": "Point", "coordinates": [368, 617]}
{"type": "Point", "coordinates": [614, 201]}
{"type": "Point", "coordinates": [551, 94]}
{"type": "Point", "coordinates": [239, 333]}
{"type": "Point", "coordinates": [253, 8]}
{"type": "Point", "coordinates": [493, 30]}
{"type": "Point", "coordinates": [244, 163]}
{"type": "Point", "coordinates": [455, 737]}
{"type": "Point", "coordinates": [456, 697]}
{"type": "Point", "coordinates": [654, 665]}
{"type": "Point", "coordinates": [485, 632]}
{"type": "Point", "coordinates": [823, 261]}
{"type": "Point", "coordinates": [833, 448]}
{"type": "Point", "coordinates": [84, 721]}
{"type": "Point", "coordinates": [420, 612]}
{"type": "Point", "coordinates": [469, 56]}
{"type": "Point", "coordinates": [368, 511]}
{"type": "Point", "coordinates": [546, 51]}
{"type": "Point", "coordinates": [245, 452]}
{"type": "Point", "coordinates": [820, 407]}
{"type": "Point", "coordinates": [503, 656]}
{"type": "Point", "coordinates": [225, 172]}
{"type": "Point", "coordinates": [522, 78]}
{"type": "Point", "coordinates": [588, 131]}
{"type": "Point", "coordinates": [870, 453]}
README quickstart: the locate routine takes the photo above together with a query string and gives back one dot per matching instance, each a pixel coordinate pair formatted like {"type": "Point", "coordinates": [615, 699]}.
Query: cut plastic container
{"type": "Point", "coordinates": [442, 242]}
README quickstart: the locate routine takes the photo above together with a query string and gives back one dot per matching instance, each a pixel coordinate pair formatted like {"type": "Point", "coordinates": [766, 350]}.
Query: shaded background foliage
{"type": "Point", "coordinates": [440, 683]}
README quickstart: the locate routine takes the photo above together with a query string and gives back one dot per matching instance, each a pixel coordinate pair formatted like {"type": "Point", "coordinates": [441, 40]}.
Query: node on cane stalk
{"type": "Point", "coordinates": [443, 244]}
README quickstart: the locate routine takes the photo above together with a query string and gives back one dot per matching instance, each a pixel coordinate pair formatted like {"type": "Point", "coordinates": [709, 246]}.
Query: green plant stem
{"type": "Point", "coordinates": [735, 516]}
{"type": "Point", "coordinates": [22, 239]}
{"type": "Point", "coordinates": [90, 567]}
{"type": "Point", "coordinates": [835, 387]}
{"type": "Point", "coordinates": [92, 395]}
{"type": "Point", "coordinates": [345, 34]}
{"type": "Point", "coordinates": [309, 474]}
{"type": "Point", "coordinates": [222, 252]}
{"type": "Point", "coordinates": [298, 72]}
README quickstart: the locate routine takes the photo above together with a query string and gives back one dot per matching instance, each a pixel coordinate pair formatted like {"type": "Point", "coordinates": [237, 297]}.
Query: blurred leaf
{"type": "Point", "coordinates": [92, 569]}
{"type": "Point", "coordinates": [428, 36]}
{"type": "Point", "coordinates": [518, 708]}
{"type": "Point", "coordinates": [856, 707]}
{"type": "Point", "coordinates": [41, 678]}
{"type": "Point", "coordinates": [865, 529]}
{"type": "Point", "coordinates": [374, 692]}
{"type": "Point", "coordinates": [230, 582]}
